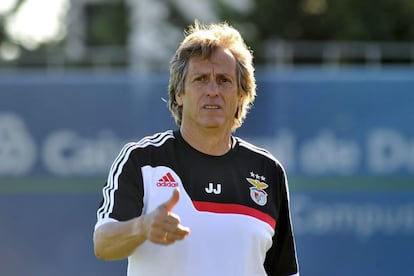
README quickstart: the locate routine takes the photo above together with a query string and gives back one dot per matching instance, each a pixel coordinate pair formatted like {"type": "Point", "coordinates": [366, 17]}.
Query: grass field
{"type": "Point", "coordinates": [87, 185]}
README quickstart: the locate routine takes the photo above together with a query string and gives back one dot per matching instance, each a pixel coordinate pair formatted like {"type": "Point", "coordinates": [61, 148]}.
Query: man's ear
{"type": "Point", "coordinates": [179, 100]}
{"type": "Point", "coordinates": [239, 106]}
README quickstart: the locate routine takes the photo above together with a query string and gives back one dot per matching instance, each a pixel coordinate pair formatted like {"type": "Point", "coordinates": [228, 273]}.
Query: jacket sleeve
{"type": "Point", "coordinates": [123, 192]}
{"type": "Point", "coordinates": [281, 259]}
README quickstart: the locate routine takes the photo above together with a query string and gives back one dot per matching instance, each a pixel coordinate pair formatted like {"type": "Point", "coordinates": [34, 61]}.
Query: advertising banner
{"type": "Point", "coordinates": [316, 123]}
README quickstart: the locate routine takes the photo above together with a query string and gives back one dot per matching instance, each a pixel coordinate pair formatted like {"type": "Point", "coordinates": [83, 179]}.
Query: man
{"type": "Point", "coordinates": [198, 200]}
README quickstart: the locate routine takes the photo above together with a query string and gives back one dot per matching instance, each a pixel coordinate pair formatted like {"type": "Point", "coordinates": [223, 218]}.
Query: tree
{"type": "Point", "coordinates": [325, 20]}
{"type": "Point", "coordinates": [259, 21]}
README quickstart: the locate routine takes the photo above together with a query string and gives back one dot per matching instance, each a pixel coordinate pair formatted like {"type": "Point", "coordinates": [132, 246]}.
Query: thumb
{"type": "Point", "coordinates": [169, 205]}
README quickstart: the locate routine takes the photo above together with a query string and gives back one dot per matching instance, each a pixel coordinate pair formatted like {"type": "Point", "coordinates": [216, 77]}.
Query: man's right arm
{"type": "Point", "coordinates": [118, 239]}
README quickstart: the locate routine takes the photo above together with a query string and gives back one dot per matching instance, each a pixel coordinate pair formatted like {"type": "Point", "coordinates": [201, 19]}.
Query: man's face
{"type": "Point", "coordinates": [210, 97]}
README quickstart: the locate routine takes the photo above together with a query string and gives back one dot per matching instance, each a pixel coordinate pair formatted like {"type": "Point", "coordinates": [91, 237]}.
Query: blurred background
{"type": "Point", "coordinates": [79, 78]}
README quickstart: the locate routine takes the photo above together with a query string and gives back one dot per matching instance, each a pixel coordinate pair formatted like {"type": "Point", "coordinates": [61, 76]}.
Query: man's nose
{"type": "Point", "coordinates": [212, 88]}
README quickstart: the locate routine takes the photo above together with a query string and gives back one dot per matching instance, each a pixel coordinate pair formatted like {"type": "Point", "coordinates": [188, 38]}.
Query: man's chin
{"type": "Point", "coordinates": [214, 126]}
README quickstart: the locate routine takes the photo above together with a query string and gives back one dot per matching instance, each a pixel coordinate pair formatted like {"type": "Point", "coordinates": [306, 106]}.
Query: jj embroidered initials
{"type": "Point", "coordinates": [211, 189]}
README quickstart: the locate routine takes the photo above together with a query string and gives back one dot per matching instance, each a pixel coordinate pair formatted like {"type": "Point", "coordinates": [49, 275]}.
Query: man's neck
{"type": "Point", "coordinates": [212, 142]}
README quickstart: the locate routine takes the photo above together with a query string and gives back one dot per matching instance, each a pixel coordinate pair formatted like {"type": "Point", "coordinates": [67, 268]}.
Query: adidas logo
{"type": "Point", "coordinates": [167, 181]}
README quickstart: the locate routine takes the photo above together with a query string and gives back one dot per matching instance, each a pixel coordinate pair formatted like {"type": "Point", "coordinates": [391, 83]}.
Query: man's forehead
{"type": "Point", "coordinates": [221, 59]}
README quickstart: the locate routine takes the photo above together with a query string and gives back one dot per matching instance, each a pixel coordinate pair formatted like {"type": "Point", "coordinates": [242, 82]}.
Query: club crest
{"type": "Point", "coordinates": [257, 193]}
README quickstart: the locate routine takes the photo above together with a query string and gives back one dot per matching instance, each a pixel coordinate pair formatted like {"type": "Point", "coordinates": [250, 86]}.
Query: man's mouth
{"type": "Point", "coordinates": [211, 107]}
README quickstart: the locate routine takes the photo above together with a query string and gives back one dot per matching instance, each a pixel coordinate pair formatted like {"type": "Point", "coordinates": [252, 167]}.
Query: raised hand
{"type": "Point", "coordinates": [163, 226]}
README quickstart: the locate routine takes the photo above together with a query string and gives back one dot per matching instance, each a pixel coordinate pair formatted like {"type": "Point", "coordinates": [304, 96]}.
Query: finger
{"type": "Point", "coordinates": [175, 235]}
{"type": "Point", "coordinates": [168, 238]}
{"type": "Point", "coordinates": [162, 237]}
{"type": "Point", "coordinates": [180, 232]}
{"type": "Point", "coordinates": [169, 205]}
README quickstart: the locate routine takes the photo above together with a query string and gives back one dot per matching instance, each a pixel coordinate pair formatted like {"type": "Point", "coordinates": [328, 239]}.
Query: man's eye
{"type": "Point", "coordinates": [224, 80]}
{"type": "Point", "coordinates": [200, 79]}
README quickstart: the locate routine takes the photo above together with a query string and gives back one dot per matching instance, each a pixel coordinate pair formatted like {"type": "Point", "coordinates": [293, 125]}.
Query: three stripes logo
{"type": "Point", "coordinates": [167, 181]}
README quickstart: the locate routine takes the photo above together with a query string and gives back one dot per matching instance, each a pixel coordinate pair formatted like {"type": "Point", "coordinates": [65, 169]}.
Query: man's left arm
{"type": "Point", "coordinates": [281, 258]}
